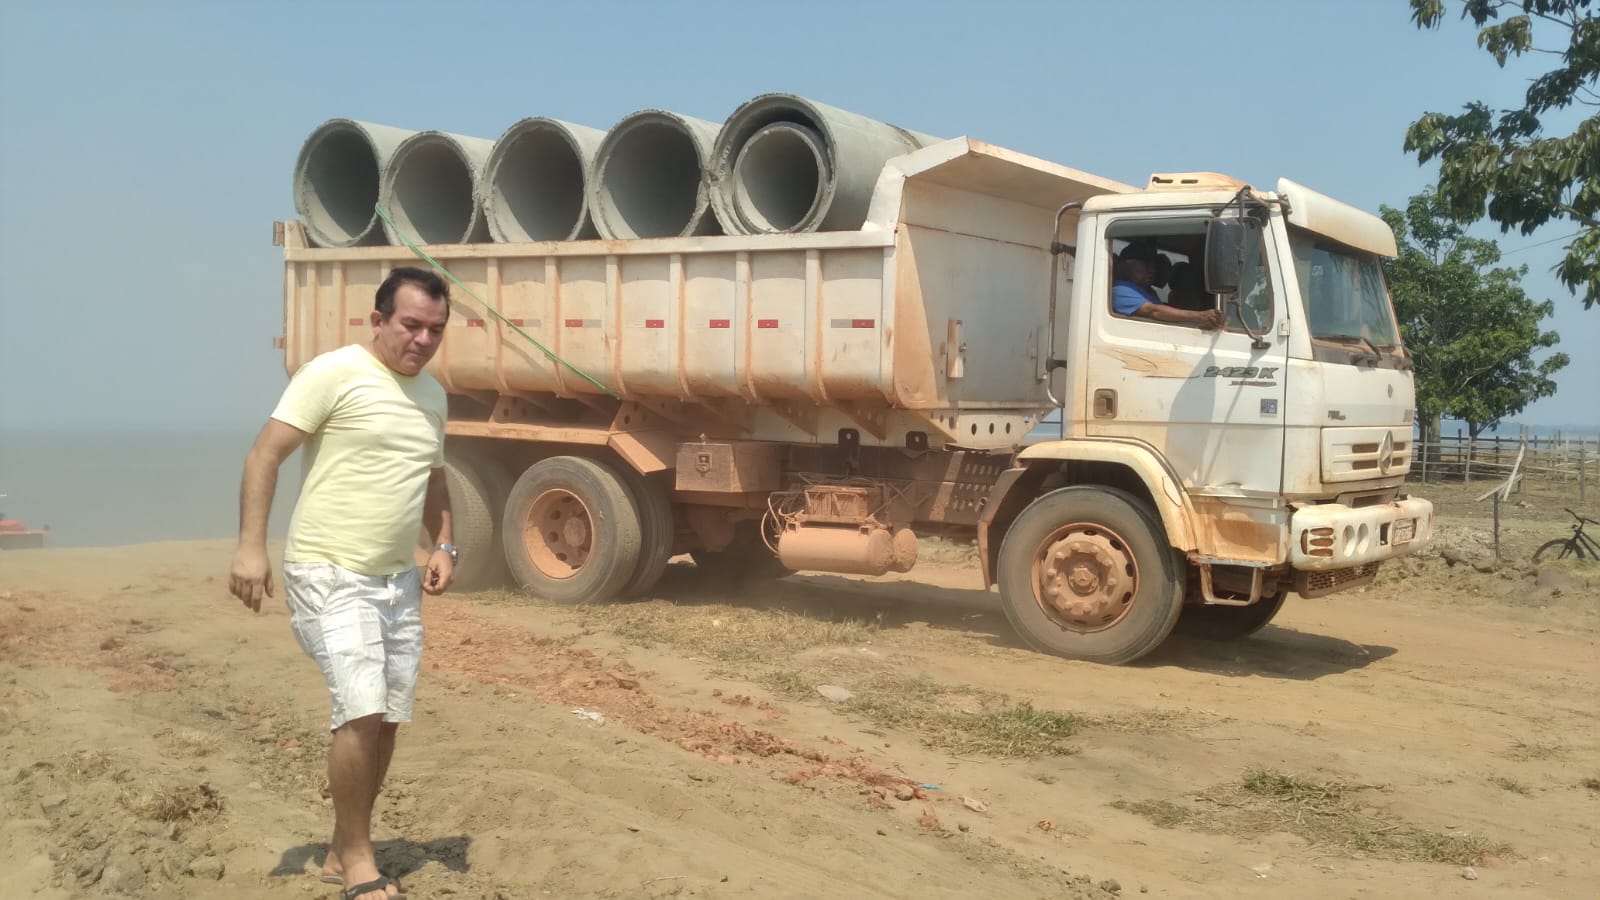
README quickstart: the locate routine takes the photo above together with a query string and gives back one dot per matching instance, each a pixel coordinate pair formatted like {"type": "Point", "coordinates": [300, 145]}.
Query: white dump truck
{"type": "Point", "coordinates": [815, 402]}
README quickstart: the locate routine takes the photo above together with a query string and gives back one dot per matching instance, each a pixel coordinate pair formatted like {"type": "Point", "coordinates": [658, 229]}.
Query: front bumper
{"type": "Point", "coordinates": [1333, 536]}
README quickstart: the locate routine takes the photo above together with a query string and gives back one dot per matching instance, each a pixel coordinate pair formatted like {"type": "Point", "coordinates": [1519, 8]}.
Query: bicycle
{"type": "Point", "coordinates": [1580, 545]}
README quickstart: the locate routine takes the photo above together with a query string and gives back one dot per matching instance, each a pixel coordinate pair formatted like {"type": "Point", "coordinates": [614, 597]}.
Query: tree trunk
{"type": "Point", "coordinates": [1432, 428]}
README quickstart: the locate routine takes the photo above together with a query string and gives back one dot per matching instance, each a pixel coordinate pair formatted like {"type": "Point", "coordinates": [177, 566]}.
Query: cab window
{"type": "Point", "coordinates": [1162, 261]}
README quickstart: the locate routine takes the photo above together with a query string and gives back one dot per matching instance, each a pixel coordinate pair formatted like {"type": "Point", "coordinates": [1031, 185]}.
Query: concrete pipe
{"type": "Point", "coordinates": [534, 185]}
{"type": "Point", "coordinates": [429, 189]}
{"type": "Point", "coordinates": [783, 203]}
{"type": "Point", "coordinates": [650, 177]}
{"type": "Point", "coordinates": [788, 164]}
{"type": "Point", "coordinates": [336, 180]}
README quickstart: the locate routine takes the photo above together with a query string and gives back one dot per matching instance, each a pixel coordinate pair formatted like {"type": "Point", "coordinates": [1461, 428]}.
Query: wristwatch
{"type": "Point", "coordinates": [455, 557]}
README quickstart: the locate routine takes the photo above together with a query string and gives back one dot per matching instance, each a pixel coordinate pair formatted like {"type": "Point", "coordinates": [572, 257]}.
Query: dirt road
{"type": "Point", "coordinates": [1433, 736]}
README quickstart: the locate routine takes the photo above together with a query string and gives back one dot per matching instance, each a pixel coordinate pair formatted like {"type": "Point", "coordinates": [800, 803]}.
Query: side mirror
{"type": "Point", "coordinates": [1229, 241]}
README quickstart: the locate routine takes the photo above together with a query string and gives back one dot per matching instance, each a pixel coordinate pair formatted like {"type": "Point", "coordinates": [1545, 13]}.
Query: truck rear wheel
{"type": "Point", "coordinates": [478, 489]}
{"type": "Point", "coordinates": [571, 530]}
{"type": "Point", "coordinates": [657, 530]}
{"type": "Point", "coordinates": [1229, 623]}
{"type": "Point", "coordinates": [746, 559]}
{"type": "Point", "coordinates": [1086, 573]}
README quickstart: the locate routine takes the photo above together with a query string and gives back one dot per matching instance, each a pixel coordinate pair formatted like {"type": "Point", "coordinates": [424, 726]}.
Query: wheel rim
{"type": "Point", "coordinates": [1085, 577]}
{"type": "Point", "coordinates": [558, 534]}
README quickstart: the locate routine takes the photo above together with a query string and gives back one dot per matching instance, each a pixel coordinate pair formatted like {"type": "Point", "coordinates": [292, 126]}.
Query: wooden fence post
{"type": "Point", "coordinates": [1583, 465]}
{"type": "Point", "coordinates": [1533, 459]}
{"type": "Point", "coordinates": [1497, 526]}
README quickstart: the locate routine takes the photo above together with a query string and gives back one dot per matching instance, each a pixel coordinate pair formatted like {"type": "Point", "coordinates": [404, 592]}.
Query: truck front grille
{"type": "Point", "coordinates": [1318, 584]}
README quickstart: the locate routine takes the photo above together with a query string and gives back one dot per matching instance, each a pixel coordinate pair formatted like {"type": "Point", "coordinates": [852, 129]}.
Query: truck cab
{"type": "Point", "coordinates": [1273, 448]}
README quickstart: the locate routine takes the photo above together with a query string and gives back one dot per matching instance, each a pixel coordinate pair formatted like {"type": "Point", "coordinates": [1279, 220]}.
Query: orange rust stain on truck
{"type": "Point", "coordinates": [1227, 532]}
{"type": "Point", "coordinates": [1151, 365]}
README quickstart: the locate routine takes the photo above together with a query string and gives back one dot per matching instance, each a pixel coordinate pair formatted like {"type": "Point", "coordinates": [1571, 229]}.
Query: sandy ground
{"type": "Point", "coordinates": [1432, 736]}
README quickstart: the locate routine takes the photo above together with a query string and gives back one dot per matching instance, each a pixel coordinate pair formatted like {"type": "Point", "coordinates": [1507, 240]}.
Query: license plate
{"type": "Point", "coordinates": [1403, 531]}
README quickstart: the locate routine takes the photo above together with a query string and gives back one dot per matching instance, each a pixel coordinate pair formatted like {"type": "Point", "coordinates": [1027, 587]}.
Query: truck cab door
{"type": "Point", "coordinates": [1210, 401]}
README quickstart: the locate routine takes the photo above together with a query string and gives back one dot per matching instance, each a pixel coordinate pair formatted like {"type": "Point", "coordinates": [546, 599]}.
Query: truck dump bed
{"type": "Point", "coordinates": [932, 318]}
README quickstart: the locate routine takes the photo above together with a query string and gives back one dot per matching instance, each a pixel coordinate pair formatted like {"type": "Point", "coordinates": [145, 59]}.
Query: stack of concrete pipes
{"type": "Point", "coordinates": [779, 164]}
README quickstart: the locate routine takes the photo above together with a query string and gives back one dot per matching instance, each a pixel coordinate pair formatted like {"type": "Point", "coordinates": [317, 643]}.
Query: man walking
{"type": "Point", "coordinates": [372, 422]}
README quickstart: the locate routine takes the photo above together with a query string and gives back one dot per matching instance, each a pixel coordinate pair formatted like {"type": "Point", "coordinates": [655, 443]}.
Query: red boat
{"type": "Point", "coordinates": [14, 535]}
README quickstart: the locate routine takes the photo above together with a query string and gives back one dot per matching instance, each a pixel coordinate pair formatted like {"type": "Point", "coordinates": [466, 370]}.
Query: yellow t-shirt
{"type": "Point", "coordinates": [375, 434]}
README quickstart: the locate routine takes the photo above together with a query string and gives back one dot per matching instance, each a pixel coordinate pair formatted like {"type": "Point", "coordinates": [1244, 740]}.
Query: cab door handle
{"type": "Point", "coordinates": [1105, 403]}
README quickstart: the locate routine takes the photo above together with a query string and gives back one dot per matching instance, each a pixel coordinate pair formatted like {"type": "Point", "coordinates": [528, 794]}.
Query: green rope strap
{"type": "Point", "coordinates": [492, 311]}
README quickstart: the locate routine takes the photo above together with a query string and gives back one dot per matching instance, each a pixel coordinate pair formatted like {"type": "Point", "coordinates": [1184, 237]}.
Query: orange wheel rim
{"type": "Point", "coordinates": [558, 534]}
{"type": "Point", "coordinates": [1085, 578]}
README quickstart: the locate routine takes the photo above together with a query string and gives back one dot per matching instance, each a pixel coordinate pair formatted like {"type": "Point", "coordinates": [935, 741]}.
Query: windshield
{"type": "Point", "coordinates": [1347, 302]}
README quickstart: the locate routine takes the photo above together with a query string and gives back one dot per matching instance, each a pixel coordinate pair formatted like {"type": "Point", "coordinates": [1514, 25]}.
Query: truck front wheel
{"type": "Point", "coordinates": [1086, 573]}
{"type": "Point", "coordinates": [572, 530]}
{"type": "Point", "coordinates": [1229, 623]}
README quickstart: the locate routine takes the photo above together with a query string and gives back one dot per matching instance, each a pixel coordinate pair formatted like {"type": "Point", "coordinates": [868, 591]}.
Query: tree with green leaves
{"type": "Point", "coordinates": [1472, 331]}
{"type": "Point", "coordinates": [1504, 164]}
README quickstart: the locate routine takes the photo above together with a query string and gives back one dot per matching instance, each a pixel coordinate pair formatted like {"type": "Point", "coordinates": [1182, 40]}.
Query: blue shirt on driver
{"type": "Point", "coordinates": [1128, 296]}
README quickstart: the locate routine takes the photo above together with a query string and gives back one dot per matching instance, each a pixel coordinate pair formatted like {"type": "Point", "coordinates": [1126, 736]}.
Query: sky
{"type": "Point", "coordinates": [146, 148]}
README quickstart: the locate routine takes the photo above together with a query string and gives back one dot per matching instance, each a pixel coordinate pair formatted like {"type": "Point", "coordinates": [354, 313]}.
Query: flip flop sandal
{"type": "Point", "coordinates": [339, 880]}
{"type": "Point", "coordinates": [380, 883]}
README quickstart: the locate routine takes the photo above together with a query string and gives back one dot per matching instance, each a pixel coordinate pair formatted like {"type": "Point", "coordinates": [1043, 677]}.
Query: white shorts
{"type": "Point", "coordinates": [365, 633]}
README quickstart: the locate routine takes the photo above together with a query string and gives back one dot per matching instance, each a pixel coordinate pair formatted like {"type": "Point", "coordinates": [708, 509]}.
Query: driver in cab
{"type": "Point", "coordinates": [1133, 293]}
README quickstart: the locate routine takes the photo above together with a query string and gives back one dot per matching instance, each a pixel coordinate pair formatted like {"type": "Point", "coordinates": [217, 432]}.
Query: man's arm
{"type": "Point", "coordinates": [437, 520]}
{"type": "Point", "coordinates": [436, 508]}
{"type": "Point", "coordinates": [251, 577]}
{"type": "Point", "coordinates": [1161, 312]}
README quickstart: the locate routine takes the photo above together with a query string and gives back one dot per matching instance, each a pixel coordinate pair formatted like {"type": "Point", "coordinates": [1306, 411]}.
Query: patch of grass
{"type": "Point", "coordinates": [751, 643]}
{"type": "Point", "coordinates": [1327, 813]}
{"type": "Point", "coordinates": [1303, 792]}
{"type": "Point", "coordinates": [169, 803]}
{"type": "Point", "coordinates": [724, 633]}
{"type": "Point", "coordinates": [1592, 784]}
{"type": "Point", "coordinates": [1019, 730]}
{"type": "Point", "coordinates": [947, 552]}
{"type": "Point", "coordinates": [1523, 751]}
{"type": "Point", "coordinates": [1161, 813]}
{"type": "Point", "coordinates": [1509, 784]}
{"type": "Point", "coordinates": [188, 742]}
{"type": "Point", "coordinates": [957, 720]}
{"type": "Point", "coordinates": [1151, 721]}
{"type": "Point", "coordinates": [1044, 778]}
{"type": "Point", "coordinates": [86, 764]}
{"type": "Point", "coordinates": [791, 684]}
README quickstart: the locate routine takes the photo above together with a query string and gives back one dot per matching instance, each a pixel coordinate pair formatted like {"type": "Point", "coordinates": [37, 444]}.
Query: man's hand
{"type": "Point", "coordinates": [1209, 318]}
{"type": "Point", "coordinates": [251, 576]}
{"type": "Point", "coordinates": [441, 572]}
